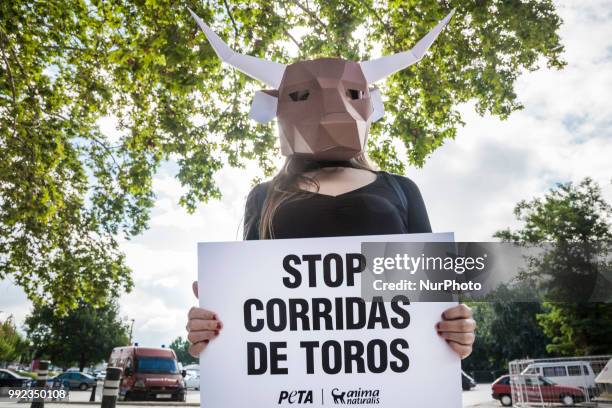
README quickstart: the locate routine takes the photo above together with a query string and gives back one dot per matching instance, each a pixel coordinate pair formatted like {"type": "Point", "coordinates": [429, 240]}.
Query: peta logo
{"type": "Point", "coordinates": [295, 397]}
{"type": "Point", "coordinates": [358, 396]}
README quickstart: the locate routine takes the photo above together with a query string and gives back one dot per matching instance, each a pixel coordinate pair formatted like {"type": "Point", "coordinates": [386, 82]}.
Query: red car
{"type": "Point", "coordinates": [533, 388]}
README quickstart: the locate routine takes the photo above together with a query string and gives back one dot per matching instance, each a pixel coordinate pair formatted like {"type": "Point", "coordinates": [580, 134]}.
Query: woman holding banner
{"type": "Point", "coordinates": [326, 186]}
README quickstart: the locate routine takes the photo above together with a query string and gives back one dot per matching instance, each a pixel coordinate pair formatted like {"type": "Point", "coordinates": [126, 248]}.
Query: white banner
{"type": "Point", "coordinates": [294, 332]}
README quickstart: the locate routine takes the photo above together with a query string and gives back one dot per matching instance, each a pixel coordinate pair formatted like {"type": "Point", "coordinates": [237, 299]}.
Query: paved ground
{"type": "Point", "coordinates": [80, 399]}
{"type": "Point", "coordinates": [479, 397]}
{"type": "Point", "coordinates": [83, 396]}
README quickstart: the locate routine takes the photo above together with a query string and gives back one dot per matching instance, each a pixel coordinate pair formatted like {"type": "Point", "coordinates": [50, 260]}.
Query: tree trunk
{"type": "Point", "coordinates": [82, 362]}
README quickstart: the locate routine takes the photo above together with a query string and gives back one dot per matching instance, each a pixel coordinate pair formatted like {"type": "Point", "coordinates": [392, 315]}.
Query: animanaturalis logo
{"type": "Point", "coordinates": [358, 396]}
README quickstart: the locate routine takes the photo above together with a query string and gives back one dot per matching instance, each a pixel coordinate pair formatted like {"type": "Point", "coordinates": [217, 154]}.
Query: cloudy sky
{"type": "Point", "coordinates": [470, 185]}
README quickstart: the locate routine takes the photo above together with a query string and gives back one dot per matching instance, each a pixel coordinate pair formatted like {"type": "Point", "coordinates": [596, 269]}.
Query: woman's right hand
{"type": "Point", "coordinates": [202, 326]}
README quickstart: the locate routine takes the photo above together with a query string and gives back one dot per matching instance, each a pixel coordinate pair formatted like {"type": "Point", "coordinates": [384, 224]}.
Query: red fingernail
{"type": "Point", "coordinates": [438, 325]}
{"type": "Point", "coordinates": [443, 315]}
{"type": "Point", "coordinates": [218, 325]}
{"type": "Point", "coordinates": [216, 332]}
{"type": "Point", "coordinates": [214, 316]}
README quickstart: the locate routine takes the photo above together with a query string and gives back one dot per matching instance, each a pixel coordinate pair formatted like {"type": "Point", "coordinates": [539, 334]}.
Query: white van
{"type": "Point", "coordinates": [569, 373]}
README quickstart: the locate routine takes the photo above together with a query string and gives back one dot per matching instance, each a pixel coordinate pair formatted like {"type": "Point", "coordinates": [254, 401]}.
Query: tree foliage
{"type": "Point", "coordinates": [86, 335]}
{"type": "Point", "coordinates": [508, 329]}
{"type": "Point", "coordinates": [12, 344]}
{"type": "Point", "coordinates": [578, 329]}
{"type": "Point", "coordinates": [570, 217]}
{"type": "Point", "coordinates": [67, 190]}
{"type": "Point", "coordinates": [568, 213]}
{"type": "Point", "coordinates": [181, 348]}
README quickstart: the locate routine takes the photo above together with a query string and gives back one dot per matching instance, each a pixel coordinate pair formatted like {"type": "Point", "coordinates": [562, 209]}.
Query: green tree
{"type": "Point", "coordinates": [578, 329]}
{"type": "Point", "coordinates": [181, 348]}
{"type": "Point", "coordinates": [84, 336]}
{"type": "Point", "coordinates": [508, 329]}
{"type": "Point", "coordinates": [570, 217]}
{"type": "Point", "coordinates": [480, 359]}
{"type": "Point", "coordinates": [67, 190]}
{"type": "Point", "coordinates": [12, 344]}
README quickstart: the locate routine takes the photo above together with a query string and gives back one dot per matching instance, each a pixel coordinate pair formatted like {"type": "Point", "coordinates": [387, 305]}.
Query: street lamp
{"type": "Point", "coordinates": [131, 331]}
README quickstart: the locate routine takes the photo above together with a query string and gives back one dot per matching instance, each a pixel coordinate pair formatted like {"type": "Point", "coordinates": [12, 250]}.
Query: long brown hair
{"type": "Point", "coordinates": [285, 187]}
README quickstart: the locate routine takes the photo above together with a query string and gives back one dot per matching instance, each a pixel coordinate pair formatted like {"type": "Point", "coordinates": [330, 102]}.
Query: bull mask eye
{"type": "Point", "coordinates": [299, 95]}
{"type": "Point", "coordinates": [355, 93]}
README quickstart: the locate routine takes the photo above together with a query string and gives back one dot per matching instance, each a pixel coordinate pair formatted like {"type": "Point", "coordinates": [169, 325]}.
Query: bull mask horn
{"type": "Point", "coordinates": [269, 72]}
{"type": "Point", "coordinates": [385, 66]}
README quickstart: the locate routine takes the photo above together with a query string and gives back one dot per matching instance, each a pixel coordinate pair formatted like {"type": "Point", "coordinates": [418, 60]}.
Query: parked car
{"type": "Point", "coordinates": [100, 375]}
{"type": "Point", "coordinates": [467, 382]}
{"type": "Point", "coordinates": [192, 380]}
{"type": "Point", "coordinates": [149, 373]}
{"type": "Point", "coordinates": [56, 382]}
{"type": "Point", "coordinates": [571, 373]}
{"type": "Point", "coordinates": [73, 379]}
{"type": "Point", "coordinates": [537, 389]}
{"type": "Point", "coordinates": [10, 378]}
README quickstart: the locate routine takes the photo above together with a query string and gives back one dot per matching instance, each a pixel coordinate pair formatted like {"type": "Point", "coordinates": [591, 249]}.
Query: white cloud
{"type": "Point", "coordinates": [164, 258]}
{"type": "Point", "coordinates": [564, 134]}
{"type": "Point", "coordinates": [13, 302]}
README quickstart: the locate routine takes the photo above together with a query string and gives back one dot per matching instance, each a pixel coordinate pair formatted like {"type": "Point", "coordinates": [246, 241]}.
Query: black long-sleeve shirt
{"type": "Point", "coordinates": [381, 207]}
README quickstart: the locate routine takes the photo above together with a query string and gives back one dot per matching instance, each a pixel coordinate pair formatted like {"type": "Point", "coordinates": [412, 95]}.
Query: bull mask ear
{"type": "Point", "coordinates": [377, 104]}
{"type": "Point", "coordinates": [269, 72]}
{"type": "Point", "coordinates": [263, 108]}
{"type": "Point", "coordinates": [380, 68]}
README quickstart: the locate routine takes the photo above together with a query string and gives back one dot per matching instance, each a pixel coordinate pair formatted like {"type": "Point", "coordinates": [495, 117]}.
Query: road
{"type": "Point", "coordinates": [77, 397]}
{"type": "Point", "coordinates": [83, 396]}
{"type": "Point", "coordinates": [479, 397]}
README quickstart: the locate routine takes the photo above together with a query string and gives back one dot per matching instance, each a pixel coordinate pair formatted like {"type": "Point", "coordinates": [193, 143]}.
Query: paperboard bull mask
{"type": "Point", "coordinates": [324, 106]}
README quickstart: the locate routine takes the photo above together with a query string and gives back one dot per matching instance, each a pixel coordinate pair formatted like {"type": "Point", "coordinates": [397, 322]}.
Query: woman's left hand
{"type": "Point", "coordinates": [457, 328]}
